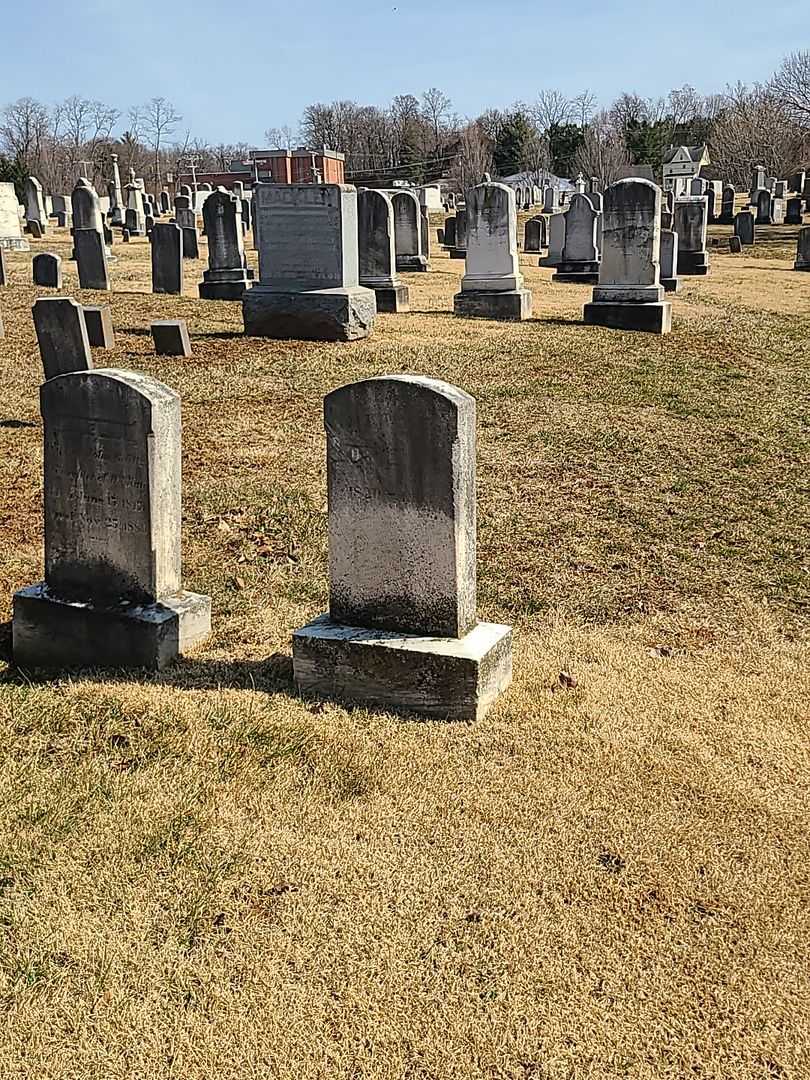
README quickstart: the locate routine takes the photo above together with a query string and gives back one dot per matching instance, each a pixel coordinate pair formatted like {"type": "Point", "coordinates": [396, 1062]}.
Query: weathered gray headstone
{"type": "Point", "coordinates": [116, 195]}
{"type": "Point", "coordinates": [580, 257]}
{"type": "Point", "coordinates": [669, 261]}
{"type": "Point", "coordinates": [408, 232]}
{"type": "Point", "coordinates": [167, 259]}
{"type": "Point", "coordinates": [226, 277]}
{"type": "Point", "coordinates": [165, 202]}
{"type": "Point", "coordinates": [135, 215]}
{"type": "Point", "coordinates": [376, 253]}
{"type": "Point", "coordinates": [402, 632]}
{"type": "Point", "coordinates": [86, 209]}
{"type": "Point", "coordinates": [492, 286]}
{"type": "Point", "coordinates": [112, 594]}
{"type": "Point", "coordinates": [450, 231]}
{"type": "Point", "coordinates": [764, 207]}
{"type": "Point", "coordinates": [171, 337]}
{"type": "Point", "coordinates": [535, 238]}
{"type": "Point", "coordinates": [10, 231]}
{"type": "Point", "coordinates": [459, 251]}
{"type": "Point", "coordinates": [727, 211]}
{"type": "Point", "coordinates": [61, 336]}
{"type": "Point", "coordinates": [744, 223]}
{"type": "Point", "coordinates": [35, 204]}
{"type": "Point", "coordinates": [803, 250]}
{"type": "Point", "coordinates": [556, 240]}
{"type": "Point", "coordinates": [47, 270]}
{"type": "Point", "coordinates": [691, 224]}
{"type": "Point", "coordinates": [629, 295]}
{"type": "Point", "coordinates": [308, 284]}
{"type": "Point", "coordinates": [98, 321]}
{"type": "Point", "coordinates": [794, 212]}
{"type": "Point", "coordinates": [735, 245]}
{"type": "Point", "coordinates": [91, 259]}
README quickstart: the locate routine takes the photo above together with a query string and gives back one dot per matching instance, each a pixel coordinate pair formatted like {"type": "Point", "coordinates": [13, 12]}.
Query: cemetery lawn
{"type": "Point", "coordinates": [203, 876]}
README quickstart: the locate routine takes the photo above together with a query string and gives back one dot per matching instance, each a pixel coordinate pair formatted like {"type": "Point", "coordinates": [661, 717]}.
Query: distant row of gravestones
{"type": "Point", "coordinates": [401, 633]}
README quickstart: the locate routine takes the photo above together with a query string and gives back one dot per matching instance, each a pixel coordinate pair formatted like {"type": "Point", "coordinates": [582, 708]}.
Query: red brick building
{"type": "Point", "coordinates": [300, 166]}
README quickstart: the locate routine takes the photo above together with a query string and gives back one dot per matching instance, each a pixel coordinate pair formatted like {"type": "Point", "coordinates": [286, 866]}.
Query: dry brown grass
{"type": "Point", "coordinates": [203, 876]}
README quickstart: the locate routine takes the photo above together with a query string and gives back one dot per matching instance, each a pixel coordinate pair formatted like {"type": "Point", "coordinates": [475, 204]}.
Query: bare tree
{"type": "Point", "coordinates": [752, 128]}
{"type": "Point", "coordinates": [280, 138]}
{"type": "Point", "coordinates": [24, 128]}
{"type": "Point", "coordinates": [582, 107]}
{"type": "Point", "coordinates": [791, 85]}
{"type": "Point", "coordinates": [159, 118]}
{"type": "Point", "coordinates": [603, 152]}
{"type": "Point", "coordinates": [550, 108]}
{"type": "Point", "coordinates": [436, 106]}
{"type": "Point", "coordinates": [474, 156]}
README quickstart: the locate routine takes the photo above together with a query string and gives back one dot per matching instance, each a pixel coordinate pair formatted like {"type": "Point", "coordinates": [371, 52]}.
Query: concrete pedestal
{"type": "Point", "coordinates": [392, 299]}
{"type": "Point", "coordinates": [694, 263]}
{"type": "Point", "coordinates": [440, 678]}
{"type": "Point", "coordinates": [317, 315]}
{"type": "Point", "coordinates": [223, 284]}
{"type": "Point", "coordinates": [585, 273]}
{"type": "Point", "coordinates": [652, 318]}
{"type": "Point", "coordinates": [54, 634]}
{"type": "Point", "coordinates": [512, 306]}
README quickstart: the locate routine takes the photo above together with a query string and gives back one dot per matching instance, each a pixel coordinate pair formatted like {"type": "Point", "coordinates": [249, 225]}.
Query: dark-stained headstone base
{"type": "Point", "coordinates": [458, 253]}
{"type": "Point", "coordinates": [514, 306]}
{"type": "Point", "coordinates": [693, 263]}
{"type": "Point", "coordinates": [393, 299]}
{"type": "Point", "coordinates": [316, 315]}
{"type": "Point", "coordinates": [671, 284]}
{"type": "Point", "coordinates": [223, 284]}
{"type": "Point", "coordinates": [652, 318]}
{"type": "Point", "coordinates": [411, 264]}
{"type": "Point", "coordinates": [439, 678]}
{"type": "Point", "coordinates": [586, 273]}
{"type": "Point", "coordinates": [53, 634]}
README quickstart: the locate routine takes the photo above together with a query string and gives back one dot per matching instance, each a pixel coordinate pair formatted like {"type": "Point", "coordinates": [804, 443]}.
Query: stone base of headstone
{"type": "Point", "coordinates": [440, 678]}
{"type": "Point", "coordinates": [577, 273]}
{"type": "Point", "coordinates": [512, 306]}
{"type": "Point", "coordinates": [456, 253]}
{"type": "Point", "coordinates": [14, 243]}
{"type": "Point", "coordinates": [671, 284]}
{"type": "Point", "coordinates": [411, 264]}
{"type": "Point", "coordinates": [223, 284]}
{"type": "Point", "coordinates": [652, 318]}
{"type": "Point", "coordinates": [315, 315]}
{"type": "Point", "coordinates": [694, 263]}
{"type": "Point", "coordinates": [54, 634]}
{"type": "Point", "coordinates": [799, 265]}
{"type": "Point", "coordinates": [392, 299]}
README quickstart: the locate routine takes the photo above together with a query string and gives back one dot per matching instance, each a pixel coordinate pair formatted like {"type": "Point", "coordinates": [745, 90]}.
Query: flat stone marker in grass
{"type": "Point", "coordinates": [167, 259]}
{"type": "Point", "coordinates": [112, 594]}
{"type": "Point", "coordinates": [308, 286]}
{"type": "Point", "coordinates": [62, 336]}
{"type": "Point", "coordinates": [402, 631]}
{"type": "Point", "coordinates": [691, 225]}
{"type": "Point", "coordinates": [492, 286]}
{"type": "Point", "coordinates": [227, 276]}
{"type": "Point", "coordinates": [408, 236]}
{"type": "Point", "coordinates": [171, 337]}
{"type": "Point", "coordinates": [629, 295]}
{"type": "Point", "coordinates": [803, 250]}
{"type": "Point", "coordinates": [376, 254]}
{"type": "Point", "coordinates": [46, 270]}
{"type": "Point", "coordinates": [98, 321]}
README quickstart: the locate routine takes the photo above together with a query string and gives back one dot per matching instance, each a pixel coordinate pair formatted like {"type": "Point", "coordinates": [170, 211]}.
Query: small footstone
{"type": "Point", "coordinates": [98, 320]}
{"type": "Point", "coordinates": [47, 270]}
{"type": "Point", "coordinates": [735, 245]}
{"type": "Point", "coordinates": [125, 235]}
{"type": "Point", "coordinates": [171, 337]}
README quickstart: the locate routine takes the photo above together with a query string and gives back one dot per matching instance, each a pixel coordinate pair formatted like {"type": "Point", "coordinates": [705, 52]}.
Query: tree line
{"type": "Point", "coordinates": [423, 138]}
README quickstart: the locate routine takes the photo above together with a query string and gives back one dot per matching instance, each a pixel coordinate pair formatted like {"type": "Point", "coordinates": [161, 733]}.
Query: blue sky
{"type": "Point", "coordinates": [233, 71]}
